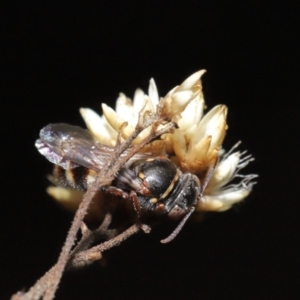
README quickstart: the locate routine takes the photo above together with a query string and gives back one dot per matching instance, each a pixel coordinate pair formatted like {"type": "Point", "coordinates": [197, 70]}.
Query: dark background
{"type": "Point", "coordinates": [56, 58]}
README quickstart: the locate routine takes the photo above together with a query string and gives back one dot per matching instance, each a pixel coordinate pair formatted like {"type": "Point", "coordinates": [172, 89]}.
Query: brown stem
{"type": "Point", "coordinates": [80, 259]}
{"type": "Point", "coordinates": [94, 253]}
{"type": "Point", "coordinates": [47, 285]}
{"type": "Point", "coordinates": [104, 177]}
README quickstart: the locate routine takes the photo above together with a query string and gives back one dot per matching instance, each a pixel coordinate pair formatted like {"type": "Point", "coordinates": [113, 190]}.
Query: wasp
{"type": "Point", "coordinates": [153, 183]}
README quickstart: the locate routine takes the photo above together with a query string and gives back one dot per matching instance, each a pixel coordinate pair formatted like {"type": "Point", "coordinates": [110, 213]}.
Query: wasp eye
{"type": "Point", "coordinates": [158, 175]}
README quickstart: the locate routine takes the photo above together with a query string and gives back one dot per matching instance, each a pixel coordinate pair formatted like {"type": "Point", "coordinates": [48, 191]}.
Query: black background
{"type": "Point", "coordinates": [57, 57]}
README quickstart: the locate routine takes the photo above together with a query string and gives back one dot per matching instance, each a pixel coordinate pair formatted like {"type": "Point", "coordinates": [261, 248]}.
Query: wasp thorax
{"type": "Point", "coordinates": [158, 175]}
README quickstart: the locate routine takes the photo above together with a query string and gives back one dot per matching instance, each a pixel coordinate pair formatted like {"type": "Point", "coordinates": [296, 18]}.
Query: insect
{"type": "Point", "coordinates": [154, 184]}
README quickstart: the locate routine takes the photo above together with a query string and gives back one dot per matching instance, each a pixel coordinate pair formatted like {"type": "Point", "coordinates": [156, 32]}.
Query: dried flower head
{"type": "Point", "coordinates": [200, 177]}
{"type": "Point", "coordinates": [194, 146]}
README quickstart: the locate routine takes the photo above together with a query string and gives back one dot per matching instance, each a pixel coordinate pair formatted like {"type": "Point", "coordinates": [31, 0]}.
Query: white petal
{"type": "Point", "coordinates": [153, 93]}
{"type": "Point", "coordinates": [200, 151]}
{"type": "Point", "coordinates": [92, 120]}
{"type": "Point", "coordinates": [230, 195]}
{"type": "Point", "coordinates": [179, 145]}
{"type": "Point", "coordinates": [124, 107]}
{"type": "Point", "coordinates": [191, 117]}
{"type": "Point", "coordinates": [174, 104]}
{"type": "Point", "coordinates": [228, 198]}
{"type": "Point", "coordinates": [182, 98]}
{"type": "Point", "coordinates": [172, 91]}
{"type": "Point", "coordinates": [148, 104]}
{"type": "Point", "coordinates": [224, 172]}
{"type": "Point", "coordinates": [98, 126]}
{"type": "Point", "coordinates": [138, 103]}
{"type": "Point", "coordinates": [191, 81]}
{"type": "Point", "coordinates": [208, 203]}
{"type": "Point", "coordinates": [115, 121]}
{"type": "Point", "coordinates": [213, 124]}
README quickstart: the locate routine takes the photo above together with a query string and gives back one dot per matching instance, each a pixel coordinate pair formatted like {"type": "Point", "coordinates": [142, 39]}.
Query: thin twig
{"type": "Point", "coordinates": [80, 214]}
{"type": "Point", "coordinates": [80, 259]}
{"type": "Point", "coordinates": [89, 237]}
{"type": "Point", "coordinates": [47, 285]}
{"type": "Point", "coordinates": [38, 289]}
{"type": "Point", "coordinates": [104, 178]}
{"type": "Point", "coordinates": [95, 253]}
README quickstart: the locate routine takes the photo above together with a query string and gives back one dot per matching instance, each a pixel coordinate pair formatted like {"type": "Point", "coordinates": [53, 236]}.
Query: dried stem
{"type": "Point", "coordinates": [78, 259]}
{"type": "Point", "coordinates": [89, 237]}
{"type": "Point", "coordinates": [94, 253]}
{"type": "Point", "coordinates": [47, 285]}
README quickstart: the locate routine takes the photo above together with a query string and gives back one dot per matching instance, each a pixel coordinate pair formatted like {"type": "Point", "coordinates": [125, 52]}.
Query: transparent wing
{"type": "Point", "coordinates": [71, 146]}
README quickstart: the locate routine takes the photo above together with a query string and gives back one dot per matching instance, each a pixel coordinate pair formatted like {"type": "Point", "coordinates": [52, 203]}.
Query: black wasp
{"type": "Point", "coordinates": [154, 184]}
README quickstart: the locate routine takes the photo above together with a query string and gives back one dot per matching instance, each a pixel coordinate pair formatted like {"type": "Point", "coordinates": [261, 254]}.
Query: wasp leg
{"type": "Point", "coordinates": [116, 192]}
{"type": "Point", "coordinates": [120, 193]}
{"type": "Point", "coordinates": [136, 204]}
{"type": "Point", "coordinates": [137, 208]}
{"type": "Point", "coordinates": [135, 201]}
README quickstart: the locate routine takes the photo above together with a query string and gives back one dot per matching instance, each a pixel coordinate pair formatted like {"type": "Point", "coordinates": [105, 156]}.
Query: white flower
{"type": "Point", "coordinates": [218, 195]}
{"type": "Point", "coordinates": [194, 146]}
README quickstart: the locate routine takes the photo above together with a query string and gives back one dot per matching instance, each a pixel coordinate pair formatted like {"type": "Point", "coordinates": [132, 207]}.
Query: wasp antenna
{"type": "Point", "coordinates": [209, 175]}
{"type": "Point", "coordinates": [178, 228]}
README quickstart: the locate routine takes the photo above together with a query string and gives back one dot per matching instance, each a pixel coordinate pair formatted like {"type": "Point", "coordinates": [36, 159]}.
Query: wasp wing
{"type": "Point", "coordinates": [72, 146]}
